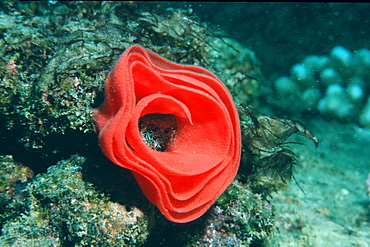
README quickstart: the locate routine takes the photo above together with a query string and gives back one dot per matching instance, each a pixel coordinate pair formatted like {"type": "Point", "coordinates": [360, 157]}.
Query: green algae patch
{"type": "Point", "coordinates": [54, 64]}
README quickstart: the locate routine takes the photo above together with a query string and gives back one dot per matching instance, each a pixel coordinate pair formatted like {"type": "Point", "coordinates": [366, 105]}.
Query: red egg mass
{"type": "Point", "coordinates": [175, 127]}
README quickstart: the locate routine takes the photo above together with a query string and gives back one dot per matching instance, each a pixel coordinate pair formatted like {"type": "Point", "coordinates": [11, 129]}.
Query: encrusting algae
{"type": "Point", "coordinates": [59, 207]}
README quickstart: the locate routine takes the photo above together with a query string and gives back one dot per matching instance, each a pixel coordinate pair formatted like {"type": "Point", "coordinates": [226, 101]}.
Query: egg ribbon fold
{"type": "Point", "coordinates": [175, 127]}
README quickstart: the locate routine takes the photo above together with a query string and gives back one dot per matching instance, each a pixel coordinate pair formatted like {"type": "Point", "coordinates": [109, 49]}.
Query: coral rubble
{"type": "Point", "coordinates": [335, 86]}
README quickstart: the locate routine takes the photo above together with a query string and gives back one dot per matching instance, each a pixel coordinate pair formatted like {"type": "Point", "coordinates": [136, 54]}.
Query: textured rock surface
{"type": "Point", "coordinates": [63, 209]}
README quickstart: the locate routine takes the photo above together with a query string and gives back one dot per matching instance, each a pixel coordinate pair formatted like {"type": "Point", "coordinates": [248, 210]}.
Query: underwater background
{"type": "Point", "coordinates": [305, 67]}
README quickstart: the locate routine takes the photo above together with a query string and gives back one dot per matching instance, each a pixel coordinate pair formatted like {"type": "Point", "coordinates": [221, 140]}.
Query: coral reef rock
{"type": "Point", "coordinates": [62, 209]}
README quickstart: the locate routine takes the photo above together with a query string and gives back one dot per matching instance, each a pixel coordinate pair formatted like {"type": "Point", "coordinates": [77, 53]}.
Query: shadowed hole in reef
{"type": "Point", "coordinates": [105, 176]}
{"type": "Point", "coordinates": [158, 130]}
{"type": "Point", "coordinates": [56, 147]}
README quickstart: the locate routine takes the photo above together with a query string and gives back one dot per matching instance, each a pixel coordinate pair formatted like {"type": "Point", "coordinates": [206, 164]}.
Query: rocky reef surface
{"type": "Point", "coordinates": [59, 208]}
